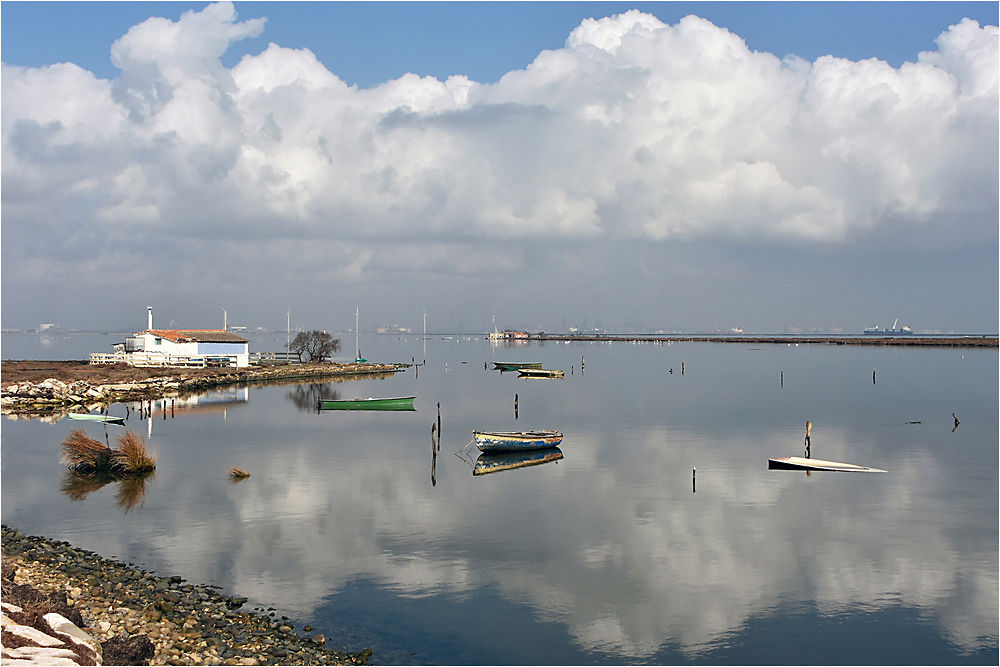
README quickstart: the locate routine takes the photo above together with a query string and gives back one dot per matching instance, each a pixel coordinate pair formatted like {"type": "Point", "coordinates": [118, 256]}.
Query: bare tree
{"type": "Point", "coordinates": [314, 345]}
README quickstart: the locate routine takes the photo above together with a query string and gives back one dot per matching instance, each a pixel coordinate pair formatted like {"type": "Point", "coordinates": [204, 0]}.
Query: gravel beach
{"type": "Point", "coordinates": [186, 624]}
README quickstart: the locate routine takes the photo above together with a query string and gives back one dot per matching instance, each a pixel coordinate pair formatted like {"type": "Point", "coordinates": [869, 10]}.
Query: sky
{"type": "Point", "coordinates": [694, 166]}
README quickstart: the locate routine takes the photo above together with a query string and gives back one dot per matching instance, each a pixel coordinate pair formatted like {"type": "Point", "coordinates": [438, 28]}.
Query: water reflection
{"type": "Point", "coordinates": [613, 574]}
{"type": "Point", "coordinates": [612, 546]}
{"type": "Point", "coordinates": [492, 462]}
{"type": "Point", "coordinates": [307, 396]}
{"type": "Point", "coordinates": [129, 492]}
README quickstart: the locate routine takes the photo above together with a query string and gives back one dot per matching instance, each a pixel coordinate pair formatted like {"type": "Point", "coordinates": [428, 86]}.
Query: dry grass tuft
{"type": "Point", "coordinates": [238, 474]}
{"type": "Point", "coordinates": [84, 454]}
{"type": "Point", "coordinates": [131, 455]}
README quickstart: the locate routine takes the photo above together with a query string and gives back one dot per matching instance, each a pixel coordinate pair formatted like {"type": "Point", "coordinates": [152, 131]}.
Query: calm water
{"type": "Point", "coordinates": [610, 555]}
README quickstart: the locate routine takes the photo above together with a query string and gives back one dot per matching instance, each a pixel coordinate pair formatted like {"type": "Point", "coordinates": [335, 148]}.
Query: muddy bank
{"type": "Point", "coordinates": [47, 387]}
{"type": "Point", "coordinates": [170, 622]}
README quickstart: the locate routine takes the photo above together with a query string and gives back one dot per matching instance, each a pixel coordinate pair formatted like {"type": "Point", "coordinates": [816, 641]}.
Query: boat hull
{"type": "Point", "coordinates": [515, 441]}
{"type": "Point", "coordinates": [490, 462]}
{"type": "Point", "coordinates": [800, 463]}
{"type": "Point", "coordinates": [97, 418]}
{"type": "Point", "coordinates": [399, 403]}
{"type": "Point", "coordinates": [540, 373]}
{"type": "Point", "coordinates": [513, 365]}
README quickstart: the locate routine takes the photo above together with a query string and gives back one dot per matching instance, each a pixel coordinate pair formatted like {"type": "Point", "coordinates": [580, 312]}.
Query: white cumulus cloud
{"type": "Point", "coordinates": [634, 130]}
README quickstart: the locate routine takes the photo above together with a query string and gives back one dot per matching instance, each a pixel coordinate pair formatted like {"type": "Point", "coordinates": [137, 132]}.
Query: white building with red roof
{"type": "Point", "coordinates": [182, 347]}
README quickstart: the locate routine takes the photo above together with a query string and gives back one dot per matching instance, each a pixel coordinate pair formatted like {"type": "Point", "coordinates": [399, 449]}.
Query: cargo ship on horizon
{"type": "Point", "coordinates": [894, 331]}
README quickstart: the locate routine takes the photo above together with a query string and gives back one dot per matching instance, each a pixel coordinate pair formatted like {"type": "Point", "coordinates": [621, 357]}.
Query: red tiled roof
{"type": "Point", "coordinates": [196, 335]}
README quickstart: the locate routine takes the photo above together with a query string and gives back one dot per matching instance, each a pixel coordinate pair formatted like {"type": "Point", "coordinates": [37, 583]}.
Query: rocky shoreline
{"type": "Point", "coordinates": [120, 605]}
{"type": "Point", "coordinates": [119, 385]}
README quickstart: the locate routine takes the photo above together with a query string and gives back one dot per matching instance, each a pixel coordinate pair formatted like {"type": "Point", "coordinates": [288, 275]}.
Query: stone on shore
{"type": "Point", "coordinates": [137, 617]}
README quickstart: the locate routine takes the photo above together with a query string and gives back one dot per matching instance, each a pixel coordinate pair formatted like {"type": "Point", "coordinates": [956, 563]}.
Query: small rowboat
{"type": "Point", "coordinates": [515, 365]}
{"type": "Point", "coordinates": [398, 403]}
{"type": "Point", "coordinates": [513, 441]}
{"type": "Point", "coordinates": [540, 373]}
{"type": "Point", "coordinates": [490, 462]}
{"type": "Point", "coordinates": [97, 418]}
{"type": "Point", "coordinates": [800, 463]}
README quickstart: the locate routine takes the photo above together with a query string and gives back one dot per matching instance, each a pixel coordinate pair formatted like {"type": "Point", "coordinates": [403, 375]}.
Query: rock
{"type": "Point", "coordinates": [319, 639]}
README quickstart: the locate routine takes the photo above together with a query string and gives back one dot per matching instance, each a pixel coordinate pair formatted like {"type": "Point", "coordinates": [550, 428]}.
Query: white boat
{"type": "Point", "coordinates": [802, 463]}
{"type": "Point", "coordinates": [97, 418]}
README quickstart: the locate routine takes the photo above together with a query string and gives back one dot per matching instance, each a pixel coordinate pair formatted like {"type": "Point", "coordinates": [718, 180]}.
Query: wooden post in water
{"type": "Point", "coordinates": [809, 427]}
{"type": "Point", "coordinates": [439, 425]}
{"type": "Point", "coordinates": [434, 456]}
{"type": "Point", "coordinates": [515, 406]}
{"type": "Point", "coordinates": [873, 377]}
{"type": "Point", "coordinates": [782, 379]}
{"type": "Point", "coordinates": [682, 368]}
{"type": "Point", "coordinates": [693, 487]}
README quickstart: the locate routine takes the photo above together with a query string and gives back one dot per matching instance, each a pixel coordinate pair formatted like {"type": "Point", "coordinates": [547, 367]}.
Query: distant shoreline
{"type": "Point", "coordinates": [883, 340]}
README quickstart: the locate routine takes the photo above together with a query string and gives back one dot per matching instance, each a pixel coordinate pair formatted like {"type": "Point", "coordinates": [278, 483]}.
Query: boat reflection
{"type": "Point", "coordinates": [491, 462]}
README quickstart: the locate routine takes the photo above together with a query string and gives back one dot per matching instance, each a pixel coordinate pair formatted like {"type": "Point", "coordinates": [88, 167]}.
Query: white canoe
{"type": "Point", "coordinates": [801, 463]}
{"type": "Point", "coordinates": [97, 418]}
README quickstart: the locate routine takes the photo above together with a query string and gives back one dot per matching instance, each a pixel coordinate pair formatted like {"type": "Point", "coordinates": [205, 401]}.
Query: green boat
{"type": "Point", "coordinates": [97, 418]}
{"type": "Point", "coordinates": [514, 365]}
{"type": "Point", "coordinates": [398, 403]}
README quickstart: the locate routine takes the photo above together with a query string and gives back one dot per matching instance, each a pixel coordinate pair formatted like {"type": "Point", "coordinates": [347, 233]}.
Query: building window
{"type": "Point", "coordinates": [157, 341]}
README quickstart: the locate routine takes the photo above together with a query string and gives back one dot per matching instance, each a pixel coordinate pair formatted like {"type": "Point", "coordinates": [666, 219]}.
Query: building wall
{"type": "Point", "coordinates": [222, 348]}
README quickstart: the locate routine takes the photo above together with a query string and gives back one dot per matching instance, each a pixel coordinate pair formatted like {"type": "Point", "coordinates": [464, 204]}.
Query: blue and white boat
{"type": "Point", "coordinates": [513, 441]}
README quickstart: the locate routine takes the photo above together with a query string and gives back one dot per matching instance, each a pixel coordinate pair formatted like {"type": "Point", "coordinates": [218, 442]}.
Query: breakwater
{"type": "Point", "coordinates": [79, 387]}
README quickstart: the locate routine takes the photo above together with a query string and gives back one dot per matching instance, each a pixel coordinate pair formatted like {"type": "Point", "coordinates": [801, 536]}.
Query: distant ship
{"type": "Point", "coordinates": [894, 331]}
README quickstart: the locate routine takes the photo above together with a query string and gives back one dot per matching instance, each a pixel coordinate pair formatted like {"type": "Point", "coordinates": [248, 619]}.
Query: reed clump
{"type": "Point", "coordinates": [238, 474]}
{"type": "Point", "coordinates": [133, 459]}
{"type": "Point", "coordinates": [86, 455]}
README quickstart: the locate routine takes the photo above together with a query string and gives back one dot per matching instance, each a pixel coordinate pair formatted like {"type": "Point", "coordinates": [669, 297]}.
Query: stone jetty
{"type": "Point", "coordinates": [81, 388]}
{"type": "Point", "coordinates": [124, 615]}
